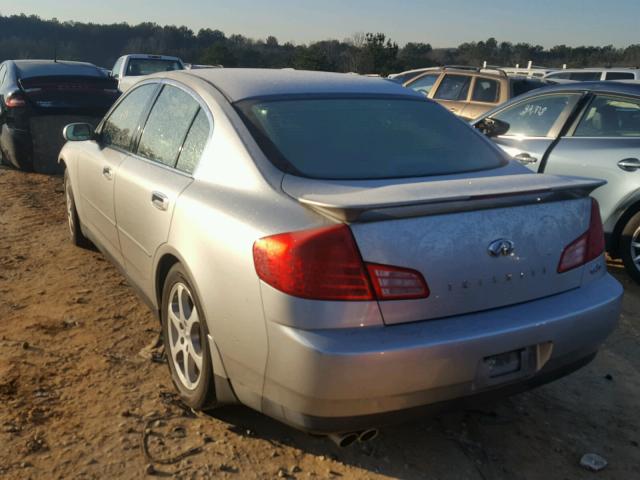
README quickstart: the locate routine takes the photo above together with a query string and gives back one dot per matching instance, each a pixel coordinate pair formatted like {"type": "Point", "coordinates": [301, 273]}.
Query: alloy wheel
{"type": "Point", "coordinates": [635, 248]}
{"type": "Point", "coordinates": [185, 339]}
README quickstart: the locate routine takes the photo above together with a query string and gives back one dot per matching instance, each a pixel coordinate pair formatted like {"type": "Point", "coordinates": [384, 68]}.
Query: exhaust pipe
{"type": "Point", "coordinates": [343, 440]}
{"type": "Point", "coordinates": [368, 435]}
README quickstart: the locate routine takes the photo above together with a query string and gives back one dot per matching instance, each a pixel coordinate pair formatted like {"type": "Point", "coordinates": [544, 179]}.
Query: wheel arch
{"type": "Point", "coordinates": [628, 212]}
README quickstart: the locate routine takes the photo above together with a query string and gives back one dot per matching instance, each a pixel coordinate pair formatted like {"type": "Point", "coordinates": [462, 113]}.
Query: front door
{"type": "Point", "coordinates": [534, 125]}
{"type": "Point", "coordinates": [98, 170]}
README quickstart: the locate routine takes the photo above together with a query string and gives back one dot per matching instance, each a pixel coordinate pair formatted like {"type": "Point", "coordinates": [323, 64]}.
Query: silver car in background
{"type": "Point", "coordinates": [333, 250]}
{"type": "Point", "coordinates": [585, 128]}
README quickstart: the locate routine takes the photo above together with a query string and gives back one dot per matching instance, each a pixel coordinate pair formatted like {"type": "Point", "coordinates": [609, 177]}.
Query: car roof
{"type": "Point", "coordinates": [46, 68]}
{"type": "Point", "coordinates": [596, 69]}
{"type": "Point", "coordinates": [579, 87]}
{"type": "Point", "coordinates": [244, 83]}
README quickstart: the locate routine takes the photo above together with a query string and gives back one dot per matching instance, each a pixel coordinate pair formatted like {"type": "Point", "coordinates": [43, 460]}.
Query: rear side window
{"type": "Point", "coordinates": [3, 73]}
{"type": "Point", "coordinates": [424, 84]}
{"type": "Point", "coordinates": [610, 117]}
{"type": "Point", "coordinates": [167, 126]}
{"type": "Point", "coordinates": [536, 116]}
{"type": "Point", "coordinates": [194, 143]}
{"type": "Point", "coordinates": [520, 86]}
{"type": "Point", "coordinates": [120, 127]}
{"type": "Point", "coordinates": [585, 76]}
{"type": "Point", "coordinates": [486, 90]}
{"type": "Point", "coordinates": [366, 138]}
{"type": "Point", "coordinates": [453, 87]}
{"type": "Point", "coordinates": [620, 76]}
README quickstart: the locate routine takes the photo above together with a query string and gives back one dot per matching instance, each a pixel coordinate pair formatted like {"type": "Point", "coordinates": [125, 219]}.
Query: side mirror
{"type": "Point", "coordinates": [78, 132]}
{"type": "Point", "coordinates": [492, 127]}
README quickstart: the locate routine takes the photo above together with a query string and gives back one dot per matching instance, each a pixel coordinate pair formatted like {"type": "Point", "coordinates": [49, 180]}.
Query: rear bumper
{"type": "Point", "coordinates": [349, 379]}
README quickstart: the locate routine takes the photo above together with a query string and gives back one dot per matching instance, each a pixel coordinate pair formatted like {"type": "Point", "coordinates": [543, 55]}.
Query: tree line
{"type": "Point", "coordinates": [29, 36]}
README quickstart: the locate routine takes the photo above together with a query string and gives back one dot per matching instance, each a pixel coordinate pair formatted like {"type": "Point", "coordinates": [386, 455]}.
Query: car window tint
{"type": "Point", "coordinates": [523, 85]}
{"type": "Point", "coordinates": [121, 125]}
{"type": "Point", "coordinates": [369, 138]}
{"type": "Point", "coordinates": [485, 90]}
{"type": "Point", "coordinates": [585, 76]}
{"type": "Point", "coordinates": [610, 117]}
{"type": "Point", "coordinates": [147, 66]}
{"type": "Point", "coordinates": [194, 143]}
{"type": "Point", "coordinates": [536, 116]}
{"type": "Point", "coordinates": [424, 84]}
{"type": "Point", "coordinates": [620, 76]}
{"type": "Point", "coordinates": [167, 126]}
{"type": "Point", "coordinates": [453, 87]}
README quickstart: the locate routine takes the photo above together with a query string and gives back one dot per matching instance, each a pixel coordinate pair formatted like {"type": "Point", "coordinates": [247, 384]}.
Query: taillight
{"type": "Point", "coordinates": [325, 264]}
{"type": "Point", "coordinates": [587, 246]}
{"type": "Point", "coordinates": [15, 100]}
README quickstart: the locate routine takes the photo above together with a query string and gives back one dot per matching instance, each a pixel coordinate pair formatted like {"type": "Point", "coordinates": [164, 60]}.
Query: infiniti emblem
{"type": "Point", "coordinates": [501, 247]}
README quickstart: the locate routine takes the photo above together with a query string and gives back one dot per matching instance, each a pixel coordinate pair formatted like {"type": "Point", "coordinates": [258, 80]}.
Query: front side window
{"type": "Point", "coordinates": [610, 117]}
{"type": "Point", "coordinates": [120, 127]}
{"type": "Point", "coordinates": [535, 117]}
{"type": "Point", "coordinates": [147, 66]}
{"type": "Point", "coordinates": [486, 90]}
{"type": "Point", "coordinates": [194, 143]}
{"type": "Point", "coordinates": [453, 87]}
{"type": "Point", "coordinates": [424, 84]}
{"type": "Point", "coordinates": [366, 138]}
{"type": "Point", "coordinates": [167, 126]}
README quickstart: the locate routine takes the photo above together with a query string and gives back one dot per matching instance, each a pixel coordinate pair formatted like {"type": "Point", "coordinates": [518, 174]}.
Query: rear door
{"type": "Point", "coordinates": [534, 125]}
{"type": "Point", "coordinates": [604, 143]}
{"type": "Point", "coordinates": [98, 170]}
{"type": "Point", "coordinates": [453, 92]}
{"type": "Point", "coordinates": [485, 95]}
{"type": "Point", "coordinates": [151, 180]}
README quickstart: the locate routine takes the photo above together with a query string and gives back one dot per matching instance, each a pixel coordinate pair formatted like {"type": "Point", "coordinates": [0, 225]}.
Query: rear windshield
{"type": "Point", "coordinates": [370, 138]}
{"type": "Point", "coordinates": [147, 66]}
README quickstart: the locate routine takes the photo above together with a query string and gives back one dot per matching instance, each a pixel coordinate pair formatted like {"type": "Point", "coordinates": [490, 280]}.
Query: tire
{"type": "Point", "coordinates": [75, 231]}
{"type": "Point", "coordinates": [185, 339]}
{"type": "Point", "coordinates": [630, 247]}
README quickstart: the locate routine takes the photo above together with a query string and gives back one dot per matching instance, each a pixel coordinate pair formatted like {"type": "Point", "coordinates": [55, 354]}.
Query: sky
{"type": "Point", "coordinates": [444, 23]}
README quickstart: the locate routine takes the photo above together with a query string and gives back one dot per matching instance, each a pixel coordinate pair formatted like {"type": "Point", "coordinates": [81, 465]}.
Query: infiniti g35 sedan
{"type": "Point", "coordinates": [590, 128]}
{"type": "Point", "coordinates": [334, 251]}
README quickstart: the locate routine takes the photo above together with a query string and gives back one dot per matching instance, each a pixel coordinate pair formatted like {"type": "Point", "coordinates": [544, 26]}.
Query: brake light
{"type": "Point", "coordinates": [15, 100]}
{"type": "Point", "coordinates": [325, 264]}
{"type": "Point", "coordinates": [586, 247]}
{"type": "Point", "coordinates": [394, 283]}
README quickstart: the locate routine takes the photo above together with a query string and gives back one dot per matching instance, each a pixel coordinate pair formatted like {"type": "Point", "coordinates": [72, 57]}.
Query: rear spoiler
{"type": "Point", "coordinates": [369, 200]}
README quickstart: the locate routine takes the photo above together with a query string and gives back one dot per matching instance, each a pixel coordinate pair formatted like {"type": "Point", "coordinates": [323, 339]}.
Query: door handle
{"type": "Point", "coordinates": [107, 173]}
{"type": "Point", "coordinates": [160, 201]}
{"type": "Point", "coordinates": [525, 159]}
{"type": "Point", "coordinates": [629, 164]}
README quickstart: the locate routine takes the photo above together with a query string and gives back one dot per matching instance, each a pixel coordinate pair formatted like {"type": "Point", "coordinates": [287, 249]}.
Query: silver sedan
{"type": "Point", "coordinates": [335, 251]}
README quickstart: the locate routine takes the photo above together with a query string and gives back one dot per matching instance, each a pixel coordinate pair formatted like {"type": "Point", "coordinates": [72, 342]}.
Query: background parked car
{"type": "Point", "coordinates": [129, 68]}
{"type": "Point", "coordinates": [38, 98]}
{"type": "Point", "coordinates": [594, 74]}
{"type": "Point", "coordinates": [398, 260]}
{"type": "Point", "coordinates": [584, 129]}
{"type": "Point", "coordinates": [469, 92]}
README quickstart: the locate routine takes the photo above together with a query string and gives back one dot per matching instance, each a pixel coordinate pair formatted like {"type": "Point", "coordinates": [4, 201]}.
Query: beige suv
{"type": "Point", "coordinates": [468, 91]}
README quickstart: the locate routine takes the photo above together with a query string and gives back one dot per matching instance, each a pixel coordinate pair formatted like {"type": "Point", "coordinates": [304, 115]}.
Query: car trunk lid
{"type": "Point", "coordinates": [71, 92]}
{"type": "Point", "coordinates": [444, 229]}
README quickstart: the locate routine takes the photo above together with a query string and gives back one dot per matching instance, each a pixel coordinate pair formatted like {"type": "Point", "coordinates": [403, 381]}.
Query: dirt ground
{"type": "Point", "coordinates": [78, 397]}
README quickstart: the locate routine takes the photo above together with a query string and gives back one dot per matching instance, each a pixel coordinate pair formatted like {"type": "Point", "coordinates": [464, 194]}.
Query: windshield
{"type": "Point", "coordinates": [147, 66]}
{"type": "Point", "coordinates": [368, 138]}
